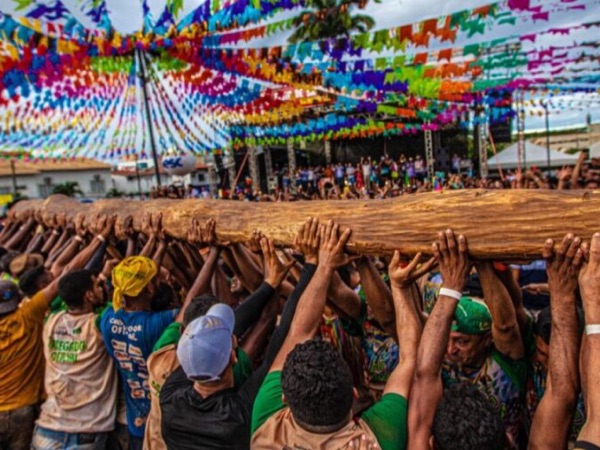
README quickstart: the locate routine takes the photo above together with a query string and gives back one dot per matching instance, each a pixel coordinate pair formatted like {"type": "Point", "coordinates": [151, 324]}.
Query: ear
{"type": "Point", "coordinates": [88, 297]}
{"type": "Point", "coordinates": [488, 340]}
{"type": "Point", "coordinates": [234, 359]}
{"type": "Point", "coordinates": [283, 399]}
{"type": "Point", "coordinates": [355, 393]}
{"type": "Point", "coordinates": [431, 443]}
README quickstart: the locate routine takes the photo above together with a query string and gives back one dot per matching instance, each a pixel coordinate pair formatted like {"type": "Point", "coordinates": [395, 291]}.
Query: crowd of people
{"type": "Point", "coordinates": [388, 178]}
{"type": "Point", "coordinates": [113, 338]}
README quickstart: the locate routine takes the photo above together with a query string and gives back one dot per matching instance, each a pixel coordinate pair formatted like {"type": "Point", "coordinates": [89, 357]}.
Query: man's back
{"type": "Point", "coordinates": [80, 377]}
{"type": "Point", "coordinates": [129, 338]}
{"type": "Point", "coordinates": [21, 356]}
{"type": "Point", "coordinates": [221, 421]}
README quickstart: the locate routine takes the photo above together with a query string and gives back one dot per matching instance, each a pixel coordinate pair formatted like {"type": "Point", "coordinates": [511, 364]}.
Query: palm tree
{"type": "Point", "coordinates": [68, 188]}
{"type": "Point", "coordinates": [330, 19]}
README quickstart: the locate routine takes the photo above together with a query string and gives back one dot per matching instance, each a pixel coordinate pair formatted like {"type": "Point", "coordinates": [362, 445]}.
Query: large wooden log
{"type": "Point", "coordinates": [506, 224]}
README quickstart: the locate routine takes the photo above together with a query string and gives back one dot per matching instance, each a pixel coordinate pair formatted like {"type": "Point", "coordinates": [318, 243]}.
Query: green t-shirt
{"type": "Point", "coordinates": [241, 370]}
{"type": "Point", "coordinates": [171, 335]}
{"type": "Point", "coordinates": [387, 419]}
{"type": "Point", "coordinates": [57, 305]}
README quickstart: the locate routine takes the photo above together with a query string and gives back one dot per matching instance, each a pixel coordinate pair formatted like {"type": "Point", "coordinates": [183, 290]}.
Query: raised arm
{"type": "Point", "coordinates": [408, 321]}
{"type": "Point", "coordinates": [378, 295]}
{"type": "Point", "coordinates": [344, 300]}
{"type": "Point", "coordinates": [126, 232]}
{"type": "Point", "coordinates": [310, 307]}
{"type": "Point", "coordinates": [202, 283]}
{"type": "Point", "coordinates": [250, 274]}
{"type": "Point", "coordinates": [82, 257]}
{"type": "Point", "coordinates": [148, 248]}
{"type": "Point", "coordinates": [250, 309]}
{"type": "Point", "coordinates": [426, 391]}
{"type": "Point", "coordinates": [14, 243]}
{"type": "Point", "coordinates": [510, 282]}
{"type": "Point", "coordinates": [73, 246]}
{"type": "Point", "coordinates": [37, 241]}
{"type": "Point", "coordinates": [554, 414]}
{"type": "Point", "coordinates": [577, 171]}
{"type": "Point", "coordinates": [50, 242]}
{"type": "Point", "coordinates": [10, 228]}
{"type": "Point", "coordinates": [505, 327]}
{"type": "Point", "coordinates": [59, 223]}
{"type": "Point", "coordinates": [589, 287]}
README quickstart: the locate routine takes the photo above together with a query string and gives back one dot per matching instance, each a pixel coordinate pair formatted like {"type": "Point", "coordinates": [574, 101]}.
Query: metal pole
{"type": "Point", "coordinates": [14, 177]}
{"type": "Point", "coordinates": [327, 148]}
{"type": "Point", "coordinates": [291, 163]}
{"type": "Point", "coordinates": [254, 170]}
{"type": "Point", "coordinates": [144, 79]}
{"type": "Point", "coordinates": [137, 175]}
{"type": "Point", "coordinates": [547, 134]}
{"type": "Point", "coordinates": [429, 158]}
{"type": "Point", "coordinates": [520, 133]}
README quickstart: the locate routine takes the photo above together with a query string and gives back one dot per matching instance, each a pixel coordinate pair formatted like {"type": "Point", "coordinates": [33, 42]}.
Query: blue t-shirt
{"type": "Point", "coordinates": [129, 338]}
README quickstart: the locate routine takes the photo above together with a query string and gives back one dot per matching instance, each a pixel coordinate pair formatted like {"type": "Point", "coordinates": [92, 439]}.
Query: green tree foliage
{"type": "Point", "coordinates": [68, 188]}
{"type": "Point", "coordinates": [327, 19]}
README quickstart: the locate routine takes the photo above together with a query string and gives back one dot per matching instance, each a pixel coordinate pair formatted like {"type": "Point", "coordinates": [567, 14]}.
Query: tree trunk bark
{"type": "Point", "coordinates": [499, 224]}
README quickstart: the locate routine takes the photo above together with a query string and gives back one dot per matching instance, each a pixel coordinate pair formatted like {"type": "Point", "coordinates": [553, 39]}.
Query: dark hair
{"type": "Point", "coordinates": [6, 259]}
{"type": "Point", "coordinates": [163, 298]}
{"type": "Point", "coordinates": [317, 384]}
{"type": "Point", "coordinates": [73, 286]}
{"type": "Point", "coordinates": [198, 307]}
{"type": "Point", "coordinates": [345, 274]}
{"type": "Point", "coordinates": [29, 282]}
{"type": "Point", "coordinates": [543, 323]}
{"type": "Point", "coordinates": [466, 420]}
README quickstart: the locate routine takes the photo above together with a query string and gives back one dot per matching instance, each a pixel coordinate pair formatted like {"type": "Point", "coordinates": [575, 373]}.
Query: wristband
{"type": "Point", "coordinates": [451, 293]}
{"type": "Point", "coordinates": [592, 329]}
{"type": "Point", "coordinates": [78, 238]}
{"type": "Point", "coordinates": [101, 238]}
{"type": "Point", "coordinates": [500, 267]}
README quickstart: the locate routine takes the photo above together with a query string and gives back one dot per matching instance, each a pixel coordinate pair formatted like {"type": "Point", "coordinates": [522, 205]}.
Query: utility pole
{"type": "Point", "coordinates": [545, 105]}
{"type": "Point", "coordinates": [143, 74]}
{"type": "Point", "coordinates": [14, 178]}
{"type": "Point", "coordinates": [137, 175]}
{"type": "Point", "coordinates": [522, 152]}
{"type": "Point", "coordinates": [429, 158]}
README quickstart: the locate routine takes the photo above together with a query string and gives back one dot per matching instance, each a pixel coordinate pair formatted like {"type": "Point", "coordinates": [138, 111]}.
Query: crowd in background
{"type": "Point", "coordinates": [386, 178]}
{"type": "Point", "coordinates": [121, 338]}
{"type": "Point", "coordinates": [389, 178]}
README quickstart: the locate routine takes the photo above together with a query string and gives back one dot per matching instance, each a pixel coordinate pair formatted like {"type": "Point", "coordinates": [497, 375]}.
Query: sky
{"type": "Point", "coordinates": [127, 17]}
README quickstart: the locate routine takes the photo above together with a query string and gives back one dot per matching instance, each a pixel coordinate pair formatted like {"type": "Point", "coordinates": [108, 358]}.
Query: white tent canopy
{"type": "Point", "coordinates": [595, 150]}
{"type": "Point", "coordinates": [533, 155]}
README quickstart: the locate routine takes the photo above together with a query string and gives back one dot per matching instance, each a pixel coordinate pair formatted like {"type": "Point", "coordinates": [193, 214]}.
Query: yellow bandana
{"type": "Point", "coordinates": [130, 277]}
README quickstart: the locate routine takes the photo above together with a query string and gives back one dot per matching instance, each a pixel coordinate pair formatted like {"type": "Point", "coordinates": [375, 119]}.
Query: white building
{"type": "Point", "coordinates": [125, 178]}
{"type": "Point", "coordinates": [38, 179]}
{"type": "Point", "coordinates": [94, 178]}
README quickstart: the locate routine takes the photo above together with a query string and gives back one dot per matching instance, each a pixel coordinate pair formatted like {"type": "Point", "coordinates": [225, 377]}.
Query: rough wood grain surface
{"type": "Point", "coordinates": [505, 224]}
